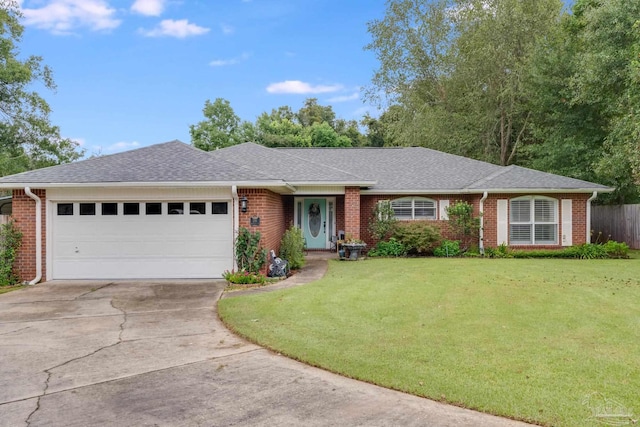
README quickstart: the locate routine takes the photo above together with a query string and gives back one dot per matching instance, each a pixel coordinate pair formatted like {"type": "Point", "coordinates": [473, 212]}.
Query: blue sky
{"type": "Point", "coordinates": [131, 73]}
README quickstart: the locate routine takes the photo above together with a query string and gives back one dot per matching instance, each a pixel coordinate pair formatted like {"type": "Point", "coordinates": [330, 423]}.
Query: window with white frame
{"type": "Point", "coordinates": [533, 220]}
{"type": "Point", "coordinates": [414, 208]}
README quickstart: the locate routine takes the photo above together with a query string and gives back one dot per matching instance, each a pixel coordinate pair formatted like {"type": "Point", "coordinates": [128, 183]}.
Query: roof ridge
{"type": "Point", "coordinates": [504, 169]}
{"type": "Point", "coordinates": [298, 158]}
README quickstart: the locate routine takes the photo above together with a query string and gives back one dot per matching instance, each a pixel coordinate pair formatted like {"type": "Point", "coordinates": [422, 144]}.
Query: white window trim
{"type": "Point", "coordinates": [532, 222]}
{"type": "Point", "coordinates": [413, 208]}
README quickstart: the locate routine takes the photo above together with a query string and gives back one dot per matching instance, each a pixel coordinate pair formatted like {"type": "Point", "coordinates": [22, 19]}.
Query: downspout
{"type": "Point", "coordinates": [236, 221]}
{"type": "Point", "coordinates": [595, 194]}
{"type": "Point", "coordinates": [481, 242]}
{"type": "Point", "coordinates": [38, 277]}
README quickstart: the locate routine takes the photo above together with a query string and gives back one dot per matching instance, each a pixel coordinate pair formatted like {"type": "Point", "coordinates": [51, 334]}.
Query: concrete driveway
{"type": "Point", "coordinates": [155, 354]}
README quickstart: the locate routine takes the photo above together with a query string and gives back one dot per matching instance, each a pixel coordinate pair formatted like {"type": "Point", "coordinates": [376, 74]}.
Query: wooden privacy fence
{"type": "Point", "coordinates": [621, 223]}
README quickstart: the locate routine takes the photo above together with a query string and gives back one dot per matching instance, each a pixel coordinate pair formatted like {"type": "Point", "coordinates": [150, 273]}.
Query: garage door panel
{"type": "Point", "coordinates": [141, 246]}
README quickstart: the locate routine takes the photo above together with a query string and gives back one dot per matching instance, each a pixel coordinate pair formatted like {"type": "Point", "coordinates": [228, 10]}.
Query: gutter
{"type": "Point", "coordinates": [38, 277]}
{"type": "Point", "coordinates": [236, 221]}
{"type": "Point", "coordinates": [589, 200]}
{"type": "Point", "coordinates": [481, 241]}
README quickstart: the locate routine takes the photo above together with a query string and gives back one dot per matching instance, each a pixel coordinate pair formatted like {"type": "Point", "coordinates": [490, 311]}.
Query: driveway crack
{"type": "Point", "coordinates": [16, 330]}
{"type": "Point", "coordinates": [95, 290]}
{"type": "Point", "coordinates": [49, 371]}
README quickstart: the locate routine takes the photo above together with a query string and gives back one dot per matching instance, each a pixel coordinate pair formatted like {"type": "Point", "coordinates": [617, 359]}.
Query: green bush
{"type": "Point", "coordinates": [448, 248]}
{"type": "Point", "coordinates": [418, 237]}
{"type": "Point", "coordinates": [616, 249]}
{"type": "Point", "coordinates": [610, 249]}
{"type": "Point", "coordinates": [390, 248]}
{"type": "Point", "coordinates": [292, 248]}
{"type": "Point", "coordinates": [10, 240]}
{"type": "Point", "coordinates": [244, 278]}
{"type": "Point", "coordinates": [502, 251]}
{"type": "Point", "coordinates": [249, 255]}
{"type": "Point", "coordinates": [383, 221]}
{"type": "Point", "coordinates": [588, 251]}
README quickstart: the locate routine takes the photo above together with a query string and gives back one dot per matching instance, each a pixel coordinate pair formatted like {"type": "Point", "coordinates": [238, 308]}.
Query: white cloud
{"type": "Point", "coordinates": [63, 16]}
{"type": "Point", "coordinates": [227, 29]}
{"type": "Point", "coordinates": [172, 28]}
{"type": "Point", "coordinates": [231, 61]}
{"type": "Point", "coordinates": [148, 7]}
{"type": "Point", "coordinates": [118, 147]}
{"type": "Point", "coordinates": [345, 98]}
{"type": "Point", "coordinates": [299, 87]}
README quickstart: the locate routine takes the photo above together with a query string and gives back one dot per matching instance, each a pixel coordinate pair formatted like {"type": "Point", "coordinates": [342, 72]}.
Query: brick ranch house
{"type": "Point", "coordinates": [172, 211]}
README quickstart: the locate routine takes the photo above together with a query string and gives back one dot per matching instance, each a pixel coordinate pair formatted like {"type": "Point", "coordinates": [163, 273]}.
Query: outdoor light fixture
{"type": "Point", "coordinates": [243, 204]}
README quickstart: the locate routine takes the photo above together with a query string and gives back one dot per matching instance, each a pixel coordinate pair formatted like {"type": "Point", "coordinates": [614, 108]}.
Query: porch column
{"type": "Point", "coordinates": [352, 212]}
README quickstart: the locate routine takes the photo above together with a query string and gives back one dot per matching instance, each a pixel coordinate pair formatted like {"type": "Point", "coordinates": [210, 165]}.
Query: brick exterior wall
{"type": "Point", "coordinates": [270, 208]}
{"type": "Point", "coordinates": [24, 214]}
{"type": "Point", "coordinates": [352, 212]}
{"type": "Point", "coordinates": [368, 204]}
{"type": "Point", "coordinates": [578, 217]}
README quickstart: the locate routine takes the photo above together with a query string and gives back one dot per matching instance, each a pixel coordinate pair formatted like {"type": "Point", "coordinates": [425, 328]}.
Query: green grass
{"type": "Point", "coordinates": [528, 339]}
{"type": "Point", "coordinates": [5, 289]}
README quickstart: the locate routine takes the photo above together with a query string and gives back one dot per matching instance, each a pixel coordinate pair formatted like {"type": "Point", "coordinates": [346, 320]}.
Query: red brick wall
{"type": "Point", "coordinates": [579, 218]}
{"type": "Point", "coordinates": [352, 212]}
{"type": "Point", "coordinates": [368, 204]}
{"type": "Point", "coordinates": [24, 213]}
{"type": "Point", "coordinates": [270, 208]}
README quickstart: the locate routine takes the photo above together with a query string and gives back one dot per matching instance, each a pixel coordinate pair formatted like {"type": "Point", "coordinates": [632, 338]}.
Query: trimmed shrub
{"type": "Point", "coordinates": [418, 237]}
{"type": "Point", "coordinates": [292, 248]}
{"type": "Point", "coordinates": [390, 248]}
{"type": "Point", "coordinates": [244, 278]}
{"type": "Point", "coordinates": [611, 249]}
{"type": "Point", "coordinates": [448, 248]}
{"type": "Point", "coordinates": [10, 240]}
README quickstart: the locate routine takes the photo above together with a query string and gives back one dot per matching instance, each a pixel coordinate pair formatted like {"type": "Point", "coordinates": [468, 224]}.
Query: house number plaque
{"type": "Point", "coordinates": [255, 221]}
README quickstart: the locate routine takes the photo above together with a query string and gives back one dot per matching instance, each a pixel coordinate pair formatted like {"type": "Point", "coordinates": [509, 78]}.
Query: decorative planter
{"type": "Point", "coordinates": [353, 250]}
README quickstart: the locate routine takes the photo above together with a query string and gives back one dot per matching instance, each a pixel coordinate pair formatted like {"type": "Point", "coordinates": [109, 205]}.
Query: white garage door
{"type": "Point", "coordinates": [141, 240]}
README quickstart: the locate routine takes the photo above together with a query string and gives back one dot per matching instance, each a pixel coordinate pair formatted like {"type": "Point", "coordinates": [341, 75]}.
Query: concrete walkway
{"type": "Point", "coordinates": [153, 353]}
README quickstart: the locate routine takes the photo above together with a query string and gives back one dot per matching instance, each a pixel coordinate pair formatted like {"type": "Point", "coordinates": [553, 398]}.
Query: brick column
{"type": "Point", "coordinates": [352, 212]}
{"type": "Point", "coordinates": [24, 213]}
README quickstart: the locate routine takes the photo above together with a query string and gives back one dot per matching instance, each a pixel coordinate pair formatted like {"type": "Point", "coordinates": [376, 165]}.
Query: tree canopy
{"type": "Point", "coordinates": [27, 138]}
{"type": "Point", "coordinates": [511, 81]}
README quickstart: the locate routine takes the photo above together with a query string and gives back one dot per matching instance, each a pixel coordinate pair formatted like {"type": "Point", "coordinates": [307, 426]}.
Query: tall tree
{"type": "Point", "coordinates": [27, 138]}
{"type": "Point", "coordinates": [585, 97]}
{"type": "Point", "coordinates": [312, 113]}
{"type": "Point", "coordinates": [455, 68]}
{"type": "Point", "coordinates": [222, 127]}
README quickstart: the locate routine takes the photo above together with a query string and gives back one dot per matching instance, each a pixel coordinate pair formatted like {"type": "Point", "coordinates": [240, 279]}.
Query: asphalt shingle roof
{"type": "Point", "coordinates": [380, 169]}
{"type": "Point", "coordinates": [168, 162]}
{"type": "Point", "coordinates": [285, 165]}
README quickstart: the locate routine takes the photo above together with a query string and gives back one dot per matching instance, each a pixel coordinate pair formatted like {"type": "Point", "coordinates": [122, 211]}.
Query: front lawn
{"type": "Point", "coordinates": [533, 339]}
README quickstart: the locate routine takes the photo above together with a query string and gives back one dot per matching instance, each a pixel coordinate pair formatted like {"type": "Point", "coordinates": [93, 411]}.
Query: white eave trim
{"type": "Point", "coordinates": [173, 184]}
{"type": "Point", "coordinates": [332, 183]}
{"type": "Point", "coordinates": [492, 191]}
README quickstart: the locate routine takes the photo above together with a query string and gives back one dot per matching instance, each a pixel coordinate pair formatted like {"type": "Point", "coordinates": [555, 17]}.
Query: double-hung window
{"type": "Point", "coordinates": [414, 208]}
{"type": "Point", "coordinates": [533, 220]}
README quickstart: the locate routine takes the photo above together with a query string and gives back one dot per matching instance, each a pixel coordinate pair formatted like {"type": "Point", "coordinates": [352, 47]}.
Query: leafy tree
{"type": "Point", "coordinates": [323, 135]}
{"type": "Point", "coordinates": [280, 129]}
{"type": "Point", "coordinates": [313, 113]}
{"type": "Point", "coordinates": [586, 100]}
{"type": "Point", "coordinates": [222, 127]}
{"type": "Point", "coordinates": [27, 138]}
{"type": "Point", "coordinates": [455, 69]}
